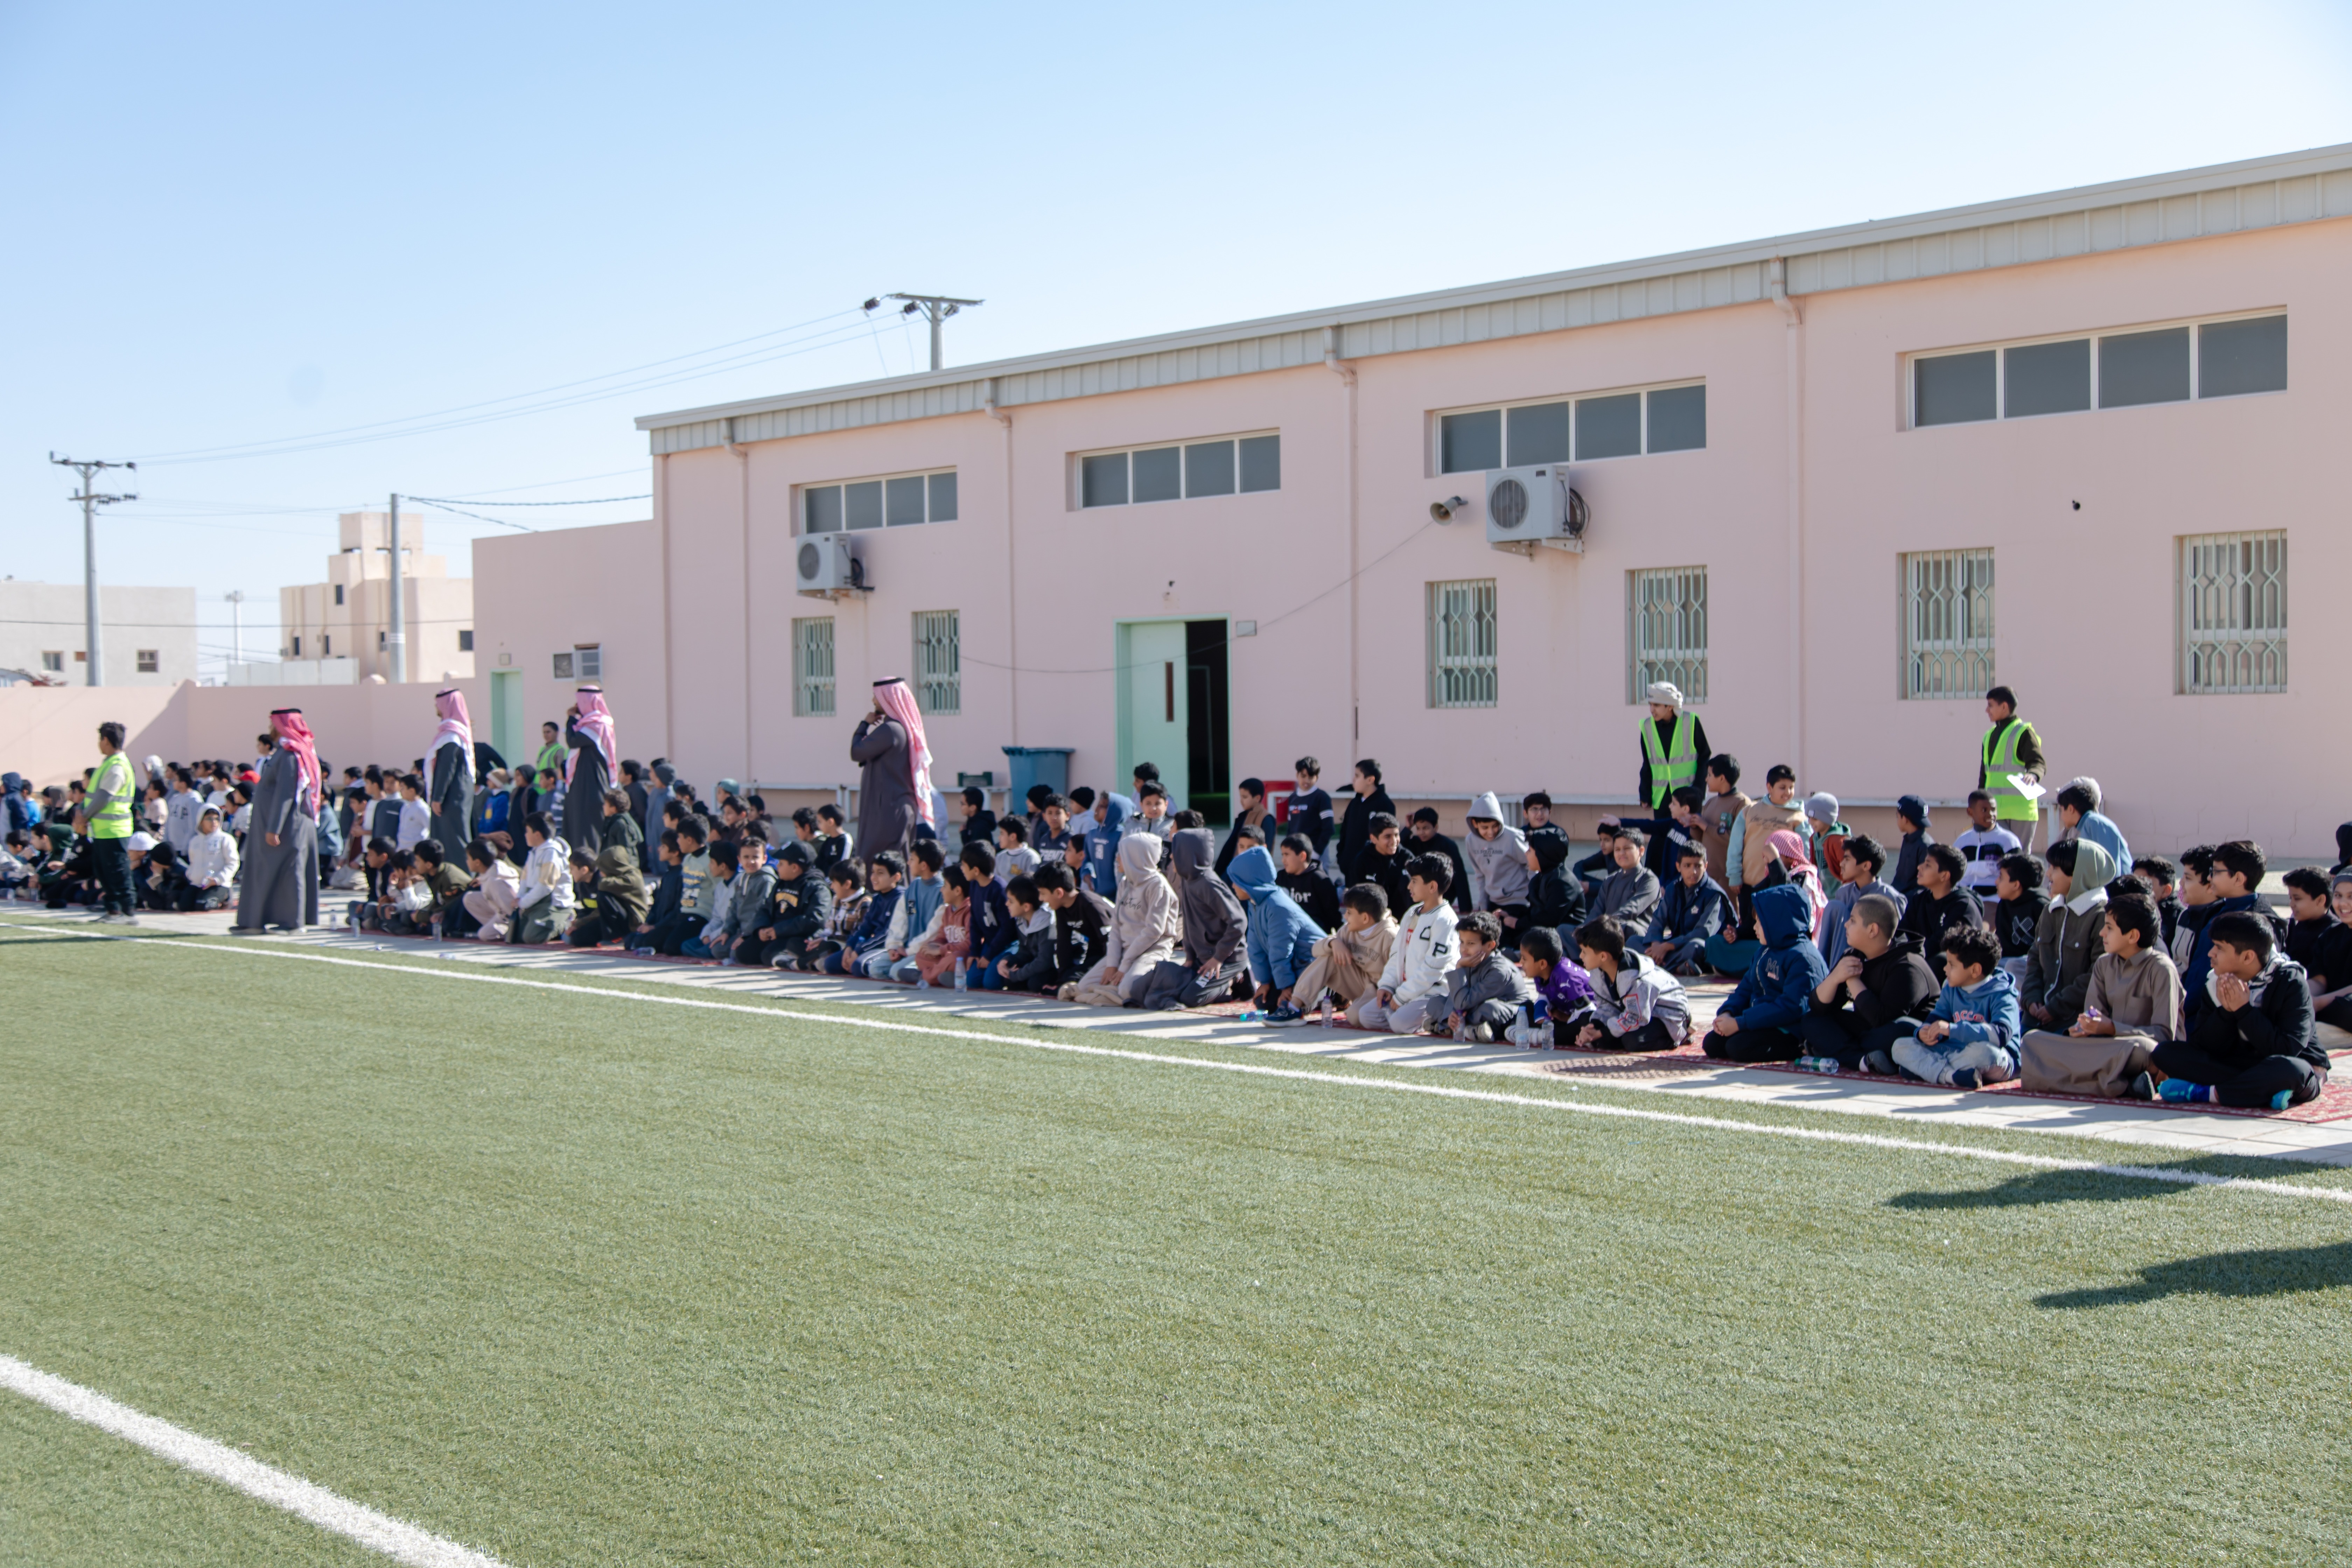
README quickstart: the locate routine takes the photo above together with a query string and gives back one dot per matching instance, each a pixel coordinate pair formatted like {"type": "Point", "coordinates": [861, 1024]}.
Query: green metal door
{"type": "Point", "coordinates": [1154, 699]}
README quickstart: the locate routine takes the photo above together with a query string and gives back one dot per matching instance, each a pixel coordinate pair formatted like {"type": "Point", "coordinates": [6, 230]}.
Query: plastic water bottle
{"type": "Point", "coordinates": [963, 975]}
{"type": "Point", "coordinates": [1248, 1016]}
{"type": "Point", "coordinates": [1329, 1021]}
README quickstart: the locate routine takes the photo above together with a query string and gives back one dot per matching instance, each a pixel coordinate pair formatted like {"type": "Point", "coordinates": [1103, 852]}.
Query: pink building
{"type": "Point", "coordinates": [1837, 483]}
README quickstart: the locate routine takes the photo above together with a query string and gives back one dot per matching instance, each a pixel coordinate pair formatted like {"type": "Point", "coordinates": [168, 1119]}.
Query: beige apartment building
{"type": "Point", "coordinates": [349, 615]}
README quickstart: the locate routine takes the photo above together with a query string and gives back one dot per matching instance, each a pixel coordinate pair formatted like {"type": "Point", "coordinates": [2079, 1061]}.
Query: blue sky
{"type": "Point", "coordinates": [244, 225]}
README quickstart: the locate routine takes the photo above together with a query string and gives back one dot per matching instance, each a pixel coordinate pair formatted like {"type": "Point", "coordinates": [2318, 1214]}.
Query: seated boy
{"type": "Point", "coordinates": [212, 863]}
{"type": "Point", "coordinates": [1941, 905]}
{"type": "Point", "coordinates": [1563, 1002]}
{"type": "Point", "coordinates": [1311, 887]}
{"type": "Point", "coordinates": [918, 905]}
{"type": "Point", "coordinates": [2254, 1045]}
{"type": "Point", "coordinates": [994, 929]}
{"type": "Point", "coordinates": [669, 895]}
{"type": "Point", "coordinates": [1971, 1039]}
{"type": "Point", "coordinates": [1691, 910]}
{"type": "Point", "coordinates": [878, 913]}
{"type": "Point", "coordinates": [833, 844]}
{"type": "Point", "coordinates": [2058, 972]}
{"type": "Point", "coordinates": [1013, 856]}
{"type": "Point", "coordinates": [845, 883]}
{"type": "Point", "coordinates": [943, 948]}
{"type": "Point", "coordinates": [1484, 992]}
{"type": "Point", "coordinates": [1880, 989]}
{"type": "Point", "coordinates": [979, 825]}
{"type": "Point", "coordinates": [1631, 892]}
{"type": "Point", "coordinates": [1411, 991]}
{"type": "Point", "coordinates": [1280, 945]}
{"type": "Point", "coordinates": [1028, 965]}
{"type": "Point", "coordinates": [2164, 883]}
{"type": "Point", "coordinates": [447, 884]}
{"type": "Point", "coordinates": [1860, 873]}
{"type": "Point", "coordinates": [1764, 1018]}
{"type": "Point", "coordinates": [1215, 934]}
{"type": "Point", "coordinates": [1598, 867]}
{"type": "Point", "coordinates": [1984, 846]}
{"type": "Point", "coordinates": [1555, 895]}
{"type": "Point", "coordinates": [1082, 920]}
{"type": "Point", "coordinates": [796, 903]}
{"type": "Point", "coordinates": [2321, 941]}
{"type": "Point", "coordinates": [2232, 874]}
{"type": "Point", "coordinates": [739, 901]}
{"type": "Point", "coordinates": [1385, 862]}
{"type": "Point", "coordinates": [1636, 1005]}
{"type": "Point", "coordinates": [2133, 1007]}
{"type": "Point", "coordinates": [1049, 834]}
{"type": "Point", "coordinates": [1347, 964]}
{"type": "Point", "coordinates": [2017, 915]}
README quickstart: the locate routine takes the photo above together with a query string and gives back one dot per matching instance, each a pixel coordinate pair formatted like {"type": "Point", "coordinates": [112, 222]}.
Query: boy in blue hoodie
{"type": "Point", "coordinates": [1970, 1040]}
{"type": "Point", "coordinates": [1764, 1020]}
{"type": "Point", "coordinates": [1281, 938]}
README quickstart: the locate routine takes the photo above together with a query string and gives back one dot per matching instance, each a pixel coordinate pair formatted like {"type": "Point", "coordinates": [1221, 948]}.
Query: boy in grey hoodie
{"type": "Point", "coordinates": [1215, 929]}
{"type": "Point", "coordinates": [1497, 852]}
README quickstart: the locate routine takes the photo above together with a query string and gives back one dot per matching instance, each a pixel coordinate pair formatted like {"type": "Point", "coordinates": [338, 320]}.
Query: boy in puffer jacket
{"type": "Point", "coordinates": [1764, 1019]}
{"type": "Point", "coordinates": [1971, 1038]}
{"type": "Point", "coordinates": [1281, 937]}
{"type": "Point", "coordinates": [1484, 992]}
{"type": "Point", "coordinates": [1636, 1005]}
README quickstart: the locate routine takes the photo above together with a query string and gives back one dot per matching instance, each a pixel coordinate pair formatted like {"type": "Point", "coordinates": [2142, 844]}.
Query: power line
{"type": "Point", "coordinates": [828, 337]}
{"type": "Point", "coordinates": [600, 501]}
{"type": "Point", "coordinates": [478, 517]}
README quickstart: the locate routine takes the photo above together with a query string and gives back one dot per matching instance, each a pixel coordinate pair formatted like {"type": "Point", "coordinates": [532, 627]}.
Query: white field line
{"type": "Point", "coordinates": [1347, 1080]}
{"type": "Point", "coordinates": [397, 1538]}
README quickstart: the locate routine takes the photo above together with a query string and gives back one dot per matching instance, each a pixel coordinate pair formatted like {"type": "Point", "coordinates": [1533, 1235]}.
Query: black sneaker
{"type": "Point", "coordinates": [1287, 1016]}
{"type": "Point", "coordinates": [2142, 1087]}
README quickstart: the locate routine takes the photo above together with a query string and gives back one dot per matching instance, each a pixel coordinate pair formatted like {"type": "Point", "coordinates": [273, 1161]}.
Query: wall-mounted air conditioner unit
{"type": "Point", "coordinates": [1527, 507]}
{"type": "Point", "coordinates": [824, 567]}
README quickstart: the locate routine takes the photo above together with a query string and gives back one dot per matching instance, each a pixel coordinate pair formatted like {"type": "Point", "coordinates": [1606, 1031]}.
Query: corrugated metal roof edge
{"type": "Point", "coordinates": [2147, 187]}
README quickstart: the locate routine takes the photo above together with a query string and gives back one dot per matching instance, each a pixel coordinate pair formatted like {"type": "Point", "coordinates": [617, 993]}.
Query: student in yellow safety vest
{"type": "Point", "coordinates": [1674, 747]}
{"type": "Point", "coordinates": [106, 818]}
{"type": "Point", "coordinates": [2010, 747]}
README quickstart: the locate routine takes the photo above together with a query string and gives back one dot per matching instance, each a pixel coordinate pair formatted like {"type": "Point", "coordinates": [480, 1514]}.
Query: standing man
{"type": "Point", "coordinates": [2011, 746]}
{"type": "Point", "coordinates": [450, 786]}
{"type": "Point", "coordinates": [894, 787]}
{"type": "Point", "coordinates": [1674, 747]}
{"type": "Point", "coordinates": [279, 884]}
{"type": "Point", "coordinates": [595, 763]}
{"type": "Point", "coordinates": [105, 816]}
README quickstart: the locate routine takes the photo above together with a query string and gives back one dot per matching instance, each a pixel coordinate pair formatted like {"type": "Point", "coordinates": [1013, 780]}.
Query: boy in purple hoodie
{"type": "Point", "coordinates": [1563, 992]}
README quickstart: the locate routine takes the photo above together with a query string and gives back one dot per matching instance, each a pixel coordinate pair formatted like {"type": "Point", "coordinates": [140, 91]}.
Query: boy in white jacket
{"type": "Point", "coordinates": [212, 863]}
{"type": "Point", "coordinates": [544, 902]}
{"type": "Point", "coordinates": [1412, 992]}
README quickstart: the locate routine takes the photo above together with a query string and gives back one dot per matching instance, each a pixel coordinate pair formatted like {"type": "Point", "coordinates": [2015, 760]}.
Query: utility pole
{"type": "Point", "coordinates": [936, 306]}
{"type": "Point", "coordinates": [92, 659]}
{"type": "Point", "coordinates": [396, 639]}
{"type": "Point", "coordinates": [235, 597]}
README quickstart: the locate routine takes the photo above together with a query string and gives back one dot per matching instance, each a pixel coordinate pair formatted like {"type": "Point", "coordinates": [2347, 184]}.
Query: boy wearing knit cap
{"type": "Point", "coordinates": [1829, 835]}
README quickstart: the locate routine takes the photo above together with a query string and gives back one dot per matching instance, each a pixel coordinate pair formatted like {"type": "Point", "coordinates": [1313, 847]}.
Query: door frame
{"type": "Point", "coordinates": [1123, 730]}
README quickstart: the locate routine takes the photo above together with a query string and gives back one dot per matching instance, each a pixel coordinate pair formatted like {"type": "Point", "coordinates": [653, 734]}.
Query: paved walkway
{"type": "Point", "coordinates": [1692, 1078]}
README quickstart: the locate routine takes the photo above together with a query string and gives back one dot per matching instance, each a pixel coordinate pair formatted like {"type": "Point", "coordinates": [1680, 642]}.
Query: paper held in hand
{"type": "Point", "coordinates": [2027, 786]}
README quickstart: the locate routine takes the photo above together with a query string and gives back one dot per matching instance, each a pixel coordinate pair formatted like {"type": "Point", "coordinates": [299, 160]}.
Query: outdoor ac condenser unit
{"type": "Point", "coordinates": [824, 567]}
{"type": "Point", "coordinates": [1527, 507]}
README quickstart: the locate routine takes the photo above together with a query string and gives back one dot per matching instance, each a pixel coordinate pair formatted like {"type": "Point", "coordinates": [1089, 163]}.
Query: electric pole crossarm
{"type": "Point", "coordinates": [93, 657]}
{"type": "Point", "coordinates": [937, 307]}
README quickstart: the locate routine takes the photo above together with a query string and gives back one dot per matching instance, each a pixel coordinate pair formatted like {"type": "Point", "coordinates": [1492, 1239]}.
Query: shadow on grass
{"type": "Point", "coordinates": [2271, 1272]}
{"type": "Point", "coordinates": [2082, 1186]}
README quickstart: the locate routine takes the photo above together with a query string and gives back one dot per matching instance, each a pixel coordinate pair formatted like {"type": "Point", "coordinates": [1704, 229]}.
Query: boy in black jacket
{"type": "Point", "coordinates": [2254, 1045]}
{"type": "Point", "coordinates": [1081, 922]}
{"type": "Point", "coordinates": [1941, 903]}
{"type": "Point", "coordinates": [799, 908]}
{"type": "Point", "coordinates": [1309, 809]}
{"type": "Point", "coordinates": [993, 930]}
{"type": "Point", "coordinates": [1879, 990]}
{"type": "Point", "coordinates": [1310, 886]}
{"type": "Point", "coordinates": [1029, 967]}
{"type": "Point", "coordinates": [2017, 918]}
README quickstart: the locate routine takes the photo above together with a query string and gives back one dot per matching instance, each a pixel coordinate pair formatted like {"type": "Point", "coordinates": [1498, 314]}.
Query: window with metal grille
{"type": "Point", "coordinates": [812, 668]}
{"type": "Point", "coordinates": [1461, 644]}
{"type": "Point", "coordinates": [151, 662]}
{"type": "Point", "coordinates": [465, 639]}
{"type": "Point", "coordinates": [2233, 611]}
{"type": "Point", "coordinates": [1946, 623]}
{"type": "Point", "coordinates": [1665, 630]}
{"type": "Point", "coordinates": [588, 659]}
{"type": "Point", "coordinates": [939, 662]}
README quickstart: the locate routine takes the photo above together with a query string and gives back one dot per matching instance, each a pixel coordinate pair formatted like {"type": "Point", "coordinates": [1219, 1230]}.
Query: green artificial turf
{"type": "Point", "coordinates": [577, 1279]}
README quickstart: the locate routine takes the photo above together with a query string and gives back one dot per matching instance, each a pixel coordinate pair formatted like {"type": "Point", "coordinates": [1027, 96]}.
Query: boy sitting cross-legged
{"type": "Point", "coordinates": [2254, 1045]}
{"type": "Point", "coordinates": [1636, 1005]}
{"type": "Point", "coordinates": [1347, 964]}
{"type": "Point", "coordinates": [1970, 1039]}
{"type": "Point", "coordinates": [1280, 945]}
{"type": "Point", "coordinates": [1563, 1004]}
{"type": "Point", "coordinates": [1484, 992]}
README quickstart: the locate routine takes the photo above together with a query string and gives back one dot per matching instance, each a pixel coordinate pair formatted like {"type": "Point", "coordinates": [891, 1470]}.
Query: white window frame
{"type": "Point", "coordinates": [1463, 642]}
{"type": "Point", "coordinates": [588, 662]}
{"type": "Point", "coordinates": [1681, 663]}
{"type": "Point", "coordinates": [813, 694]}
{"type": "Point", "coordinates": [53, 661]}
{"type": "Point", "coordinates": [1999, 351]}
{"type": "Point", "coordinates": [2236, 614]}
{"type": "Point", "coordinates": [939, 660]}
{"type": "Point", "coordinates": [801, 495]}
{"type": "Point", "coordinates": [1076, 476]}
{"type": "Point", "coordinates": [1946, 664]}
{"type": "Point", "coordinates": [1435, 437]}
